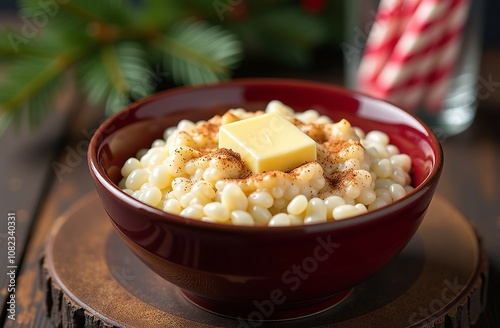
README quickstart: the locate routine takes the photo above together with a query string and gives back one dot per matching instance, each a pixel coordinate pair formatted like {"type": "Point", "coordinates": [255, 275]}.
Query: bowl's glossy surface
{"type": "Point", "coordinates": [268, 273]}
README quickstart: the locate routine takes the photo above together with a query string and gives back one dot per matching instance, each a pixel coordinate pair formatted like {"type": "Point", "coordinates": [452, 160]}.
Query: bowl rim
{"type": "Point", "coordinates": [366, 219]}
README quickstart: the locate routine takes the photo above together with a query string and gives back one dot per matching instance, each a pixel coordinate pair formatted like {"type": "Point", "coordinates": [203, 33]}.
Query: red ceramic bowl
{"type": "Point", "coordinates": [259, 272]}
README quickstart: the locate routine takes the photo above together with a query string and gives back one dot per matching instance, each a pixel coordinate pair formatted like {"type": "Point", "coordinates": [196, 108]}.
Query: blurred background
{"type": "Point", "coordinates": [279, 38]}
{"type": "Point", "coordinates": [491, 22]}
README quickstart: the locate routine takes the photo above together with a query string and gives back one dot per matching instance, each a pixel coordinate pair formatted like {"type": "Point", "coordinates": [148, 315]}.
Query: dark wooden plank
{"type": "Point", "coordinates": [25, 167]}
{"type": "Point", "coordinates": [68, 181]}
{"type": "Point", "coordinates": [25, 157]}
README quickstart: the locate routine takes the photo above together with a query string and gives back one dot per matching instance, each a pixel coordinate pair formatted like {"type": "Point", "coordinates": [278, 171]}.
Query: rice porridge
{"type": "Point", "coordinates": [187, 174]}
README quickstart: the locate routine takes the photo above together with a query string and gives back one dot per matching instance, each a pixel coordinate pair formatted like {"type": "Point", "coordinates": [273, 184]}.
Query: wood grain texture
{"type": "Point", "coordinates": [26, 173]}
{"type": "Point", "coordinates": [52, 200]}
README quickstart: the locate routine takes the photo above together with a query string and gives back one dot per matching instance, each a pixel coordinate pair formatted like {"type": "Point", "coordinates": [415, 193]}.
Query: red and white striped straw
{"type": "Point", "coordinates": [382, 39]}
{"type": "Point", "coordinates": [421, 54]}
{"type": "Point", "coordinates": [404, 75]}
{"type": "Point", "coordinates": [442, 75]}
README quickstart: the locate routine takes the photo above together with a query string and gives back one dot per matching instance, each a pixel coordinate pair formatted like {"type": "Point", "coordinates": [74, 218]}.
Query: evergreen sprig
{"type": "Point", "coordinates": [113, 46]}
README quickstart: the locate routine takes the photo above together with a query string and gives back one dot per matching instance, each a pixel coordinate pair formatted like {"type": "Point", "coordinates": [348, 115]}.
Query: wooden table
{"type": "Point", "coordinates": [44, 172]}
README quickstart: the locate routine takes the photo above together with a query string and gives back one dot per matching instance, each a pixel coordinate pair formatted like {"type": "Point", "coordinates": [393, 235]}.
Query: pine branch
{"type": "Point", "coordinates": [38, 106]}
{"type": "Point", "coordinates": [31, 98]}
{"type": "Point", "coordinates": [30, 84]}
{"type": "Point", "coordinates": [109, 44]}
{"type": "Point", "coordinates": [30, 75]}
{"type": "Point", "coordinates": [196, 53]}
{"type": "Point", "coordinates": [112, 66]}
{"type": "Point", "coordinates": [92, 80]}
{"type": "Point", "coordinates": [118, 73]}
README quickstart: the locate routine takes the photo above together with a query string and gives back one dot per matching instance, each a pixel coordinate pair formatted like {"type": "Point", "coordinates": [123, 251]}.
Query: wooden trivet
{"type": "Point", "coordinates": [93, 280]}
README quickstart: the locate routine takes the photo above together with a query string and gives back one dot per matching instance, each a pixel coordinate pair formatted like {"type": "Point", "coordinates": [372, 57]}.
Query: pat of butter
{"type": "Point", "coordinates": [268, 142]}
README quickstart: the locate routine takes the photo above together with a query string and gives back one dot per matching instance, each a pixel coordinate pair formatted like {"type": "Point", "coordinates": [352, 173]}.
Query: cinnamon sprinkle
{"type": "Point", "coordinates": [338, 179]}
{"type": "Point", "coordinates": [328, 153]}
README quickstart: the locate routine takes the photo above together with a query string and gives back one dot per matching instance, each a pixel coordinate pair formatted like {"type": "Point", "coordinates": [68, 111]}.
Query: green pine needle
{"type": "Point", "coordinates": [117, 72]}
{"type": "Point", "coordinates": [36, 82]}
{"type": "Point", "coordinates": [196, 53]}
{"type": "Point", "coordinates": [32, 76]}
{"type": "Point", "coordinates": [112, 46]}
{"type": "Point", "coordinates": [92, 79]}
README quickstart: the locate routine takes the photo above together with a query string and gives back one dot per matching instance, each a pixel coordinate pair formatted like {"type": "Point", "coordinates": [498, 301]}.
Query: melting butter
{"type": "Point", "coordinates": [268, 142]}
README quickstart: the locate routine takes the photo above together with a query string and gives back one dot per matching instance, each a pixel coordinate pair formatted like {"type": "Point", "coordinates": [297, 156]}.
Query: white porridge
{"type": "Point", "coordinates": [187, 174]}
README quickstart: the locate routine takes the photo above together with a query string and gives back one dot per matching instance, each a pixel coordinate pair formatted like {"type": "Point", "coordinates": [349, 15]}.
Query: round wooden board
{"type": "Point", "coordinates": [93, 280]}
